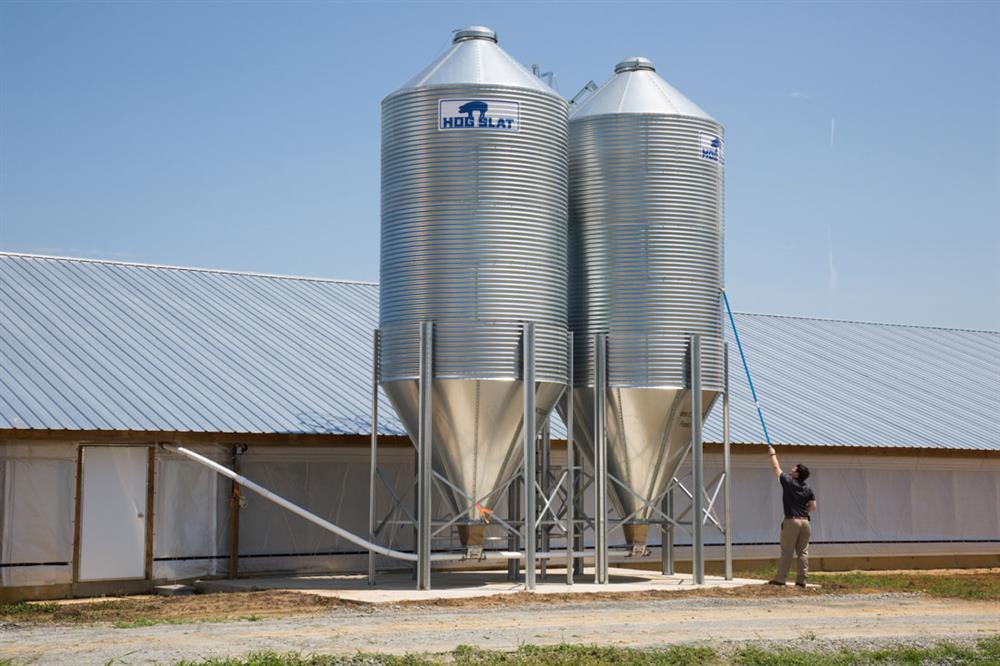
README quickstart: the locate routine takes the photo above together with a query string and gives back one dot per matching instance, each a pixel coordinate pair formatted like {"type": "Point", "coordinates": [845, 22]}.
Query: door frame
{"type": "Point", "coordinates": [125, 583]}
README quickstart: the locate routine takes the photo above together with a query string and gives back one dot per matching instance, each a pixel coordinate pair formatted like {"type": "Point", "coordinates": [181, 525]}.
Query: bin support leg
{"type": "Point", "coordinates": [424, 447]}
{"type": "Point", "coordinates": [600, 459]}
{"type": "Point", "coordinates": [698, 472]}
{"type": "Point", "coordinates": [530, 432]}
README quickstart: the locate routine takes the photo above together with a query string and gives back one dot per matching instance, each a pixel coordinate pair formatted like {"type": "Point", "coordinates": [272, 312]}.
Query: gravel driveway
{"type": "Point", "coordinates": [857, 619]}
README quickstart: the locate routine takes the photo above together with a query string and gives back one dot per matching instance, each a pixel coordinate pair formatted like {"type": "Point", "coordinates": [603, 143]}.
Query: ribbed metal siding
{"type": "Point", "coordinates": [646, 255]}
{"type": "Point", "coordinates": [473, 235]}
{"type": "Point", "coordinates": [848, 383]}
{"type": "Point", "coordinates": [161, 348]}
{"type": "Point", "coordinates": [89, 345]}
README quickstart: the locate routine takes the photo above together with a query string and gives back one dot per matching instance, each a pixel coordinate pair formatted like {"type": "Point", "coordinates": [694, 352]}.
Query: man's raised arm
{"type": "Point", "coordinates": [774, 461]}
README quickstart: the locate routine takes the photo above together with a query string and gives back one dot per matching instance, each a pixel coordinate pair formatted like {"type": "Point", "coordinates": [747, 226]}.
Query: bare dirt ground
{"type": "Point", "coordinates": [155, 609]}
{"type": "Point", "coordinates": [284, 622]}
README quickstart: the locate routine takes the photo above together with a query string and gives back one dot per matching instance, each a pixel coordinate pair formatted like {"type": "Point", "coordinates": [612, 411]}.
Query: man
{"type": "Point", "coordinates": [798, 501]}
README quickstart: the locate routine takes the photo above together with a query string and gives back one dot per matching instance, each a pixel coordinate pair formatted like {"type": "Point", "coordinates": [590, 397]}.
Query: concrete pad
{"type": "Point", "coordinates": [396, 587]}
{"type": "Point", "coordinates": [174, 590]}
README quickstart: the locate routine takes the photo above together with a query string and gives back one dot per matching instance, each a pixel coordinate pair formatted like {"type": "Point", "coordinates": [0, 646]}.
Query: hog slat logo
{"type": "Point", "coordinates": [712, 148]}
{"type": "Point", "coordinates": [456, 115]}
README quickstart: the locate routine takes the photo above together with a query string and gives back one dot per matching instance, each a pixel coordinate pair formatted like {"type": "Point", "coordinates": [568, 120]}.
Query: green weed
{"type": "Point", "coordinates": [971, 586]}
{"type": "Point", "coordinates": [985, 652]}
{"type": "Point", "coordinates": [956, 585]}
{"type": "Point", "coordinates": [586, 655]}
{"type": "Point", "coordinates": [139, 622]}
{"type": "Point", "coordinates": [153, 621]}
{"type": "Point", "coordinates": [29, 609]}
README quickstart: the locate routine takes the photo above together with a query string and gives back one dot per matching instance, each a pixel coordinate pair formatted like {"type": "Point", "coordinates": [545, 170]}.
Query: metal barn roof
{"type": "Point", "coordinates": [99, 345]}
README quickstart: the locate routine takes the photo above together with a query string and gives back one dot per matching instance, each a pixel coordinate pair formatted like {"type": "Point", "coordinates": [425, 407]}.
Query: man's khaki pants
{"type": "Point", "coordinates": [795, 533]}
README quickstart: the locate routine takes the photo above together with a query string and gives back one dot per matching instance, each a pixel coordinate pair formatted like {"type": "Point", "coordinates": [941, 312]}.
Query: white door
{"type": "Point", "coordinates": [113, 513]}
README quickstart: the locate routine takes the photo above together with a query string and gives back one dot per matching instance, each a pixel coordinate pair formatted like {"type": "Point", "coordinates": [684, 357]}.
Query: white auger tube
{"type": "Point", "coordinates": [340, 531]}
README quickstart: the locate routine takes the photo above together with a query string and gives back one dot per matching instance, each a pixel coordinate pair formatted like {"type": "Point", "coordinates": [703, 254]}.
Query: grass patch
{"type": "Point", "coordinates": [985, 652]}
{"type": "Point", "coordinates": [586, 655]}
{"type": "Point", "coordinates": [137, 623]}
{"type": "Point", "coordinates": [527, 655]}
{"type": "Point", "coordinates": [150, 621]}
{"type": "Point", "coordinates": [972, 585]}
{"type": "Point", "coordinates": [765, 572]}
{"type": "Point", "coordinates": [36, 612]}
{"type": "Point", "coordinates": [26, 609]}
{"type": "Point", "coordinates": [298, 659]}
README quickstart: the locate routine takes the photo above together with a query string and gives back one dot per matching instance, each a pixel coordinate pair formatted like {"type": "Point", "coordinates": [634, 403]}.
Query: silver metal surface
{"type": "Point", "coordinates": [588, 88]}
{"type": "Point", "coordinates": [667, 535]}
{"type": "Point", "coordinates": [634, 64]}
{"type": "Point", "coordinates": [157, 348]}
{"type": "Point", "coordinates": [847, 383]}
{"type": "Point", "coordinates": [425, 454]}
{"type": "Point", "coordinates": [637, 89]}
{"type": "Point", "coordinates": [474, 239]}
{"type": "Point", "coordinates": [697, 468]}
{"type": "Point", "coordinates": [600, 364]}
{"type": "Point", "coordinates": [474, 457]}
{"type": "Point", "coordinates": [147, 355]}
{"type": "Point", "coordinates": [476, 59]}
{"type": "Point", "coordinates": [416, 507]}
{"type": "Point", "coordinates": [571, 479]}
{"type": "Point", "coordinates": [727, 471]}
{"type": "Point", "coordinates": [645, 268]}
{"type": "Point", "coordinates": [474, 32]}
{"type": "Point", "coordinates": [529, 433]}
{"type": "Point", "coordinates": [373, 467]}
{"type": "Point", "coordinates": [513, 516]}
{"type": "Point", "coordinates": [544, 475]}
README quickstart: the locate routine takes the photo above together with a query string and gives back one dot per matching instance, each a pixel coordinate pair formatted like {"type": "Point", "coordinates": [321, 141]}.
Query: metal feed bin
{"type": "Point", "coordinates": [646, 232]}
{"type": "Point", "coordinates": [474, 221]}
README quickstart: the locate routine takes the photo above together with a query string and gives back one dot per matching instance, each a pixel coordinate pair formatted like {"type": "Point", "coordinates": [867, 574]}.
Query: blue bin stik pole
{"type": "Point", "coordinates": [746, 368]}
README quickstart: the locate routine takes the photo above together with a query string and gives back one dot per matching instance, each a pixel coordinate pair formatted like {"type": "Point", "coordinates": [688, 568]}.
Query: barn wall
{"type": "Point", "coordinates": [191, 516]}
{"type": "Point", "coordinates": [872, 506]}
{"type": "Point", "coordinates": [866, 496]}
{"type": "Point", "coordinates": [37, 513]}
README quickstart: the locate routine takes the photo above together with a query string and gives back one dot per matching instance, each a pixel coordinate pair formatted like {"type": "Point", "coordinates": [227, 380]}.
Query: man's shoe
{"type": "Point", "coordinates": [800, 585]}
{"type": "Point", "coordinates": [775, 582]}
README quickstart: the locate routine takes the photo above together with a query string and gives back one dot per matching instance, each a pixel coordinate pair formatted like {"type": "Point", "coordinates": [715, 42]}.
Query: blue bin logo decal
{"type": "Point", "coordinates": [473, 106]}
{"type": "Point", "coordinates": [712, 148]}
{"type": "Point", "coordinates": [479, 114]}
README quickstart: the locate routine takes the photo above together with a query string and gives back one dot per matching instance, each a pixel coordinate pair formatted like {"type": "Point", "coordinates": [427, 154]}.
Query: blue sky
{"type": "Point", "coordinates": [862, 156]}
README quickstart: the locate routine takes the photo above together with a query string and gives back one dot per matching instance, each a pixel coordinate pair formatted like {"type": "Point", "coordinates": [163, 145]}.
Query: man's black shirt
{"type": "Point", "coordinates": [795, 496]}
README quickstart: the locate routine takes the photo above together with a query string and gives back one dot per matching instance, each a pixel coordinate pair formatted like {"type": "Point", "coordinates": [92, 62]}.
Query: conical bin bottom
{"type": "Point", "coordinates": [649, 433]}
{"type": "Point", "coordinates": [477, 425]}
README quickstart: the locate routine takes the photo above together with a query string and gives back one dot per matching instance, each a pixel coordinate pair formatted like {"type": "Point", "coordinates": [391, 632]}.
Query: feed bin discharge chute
{"type": "Point", "coordinates": [646, 188]}
{"type": "Point", "coordinates": [474, 223]}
